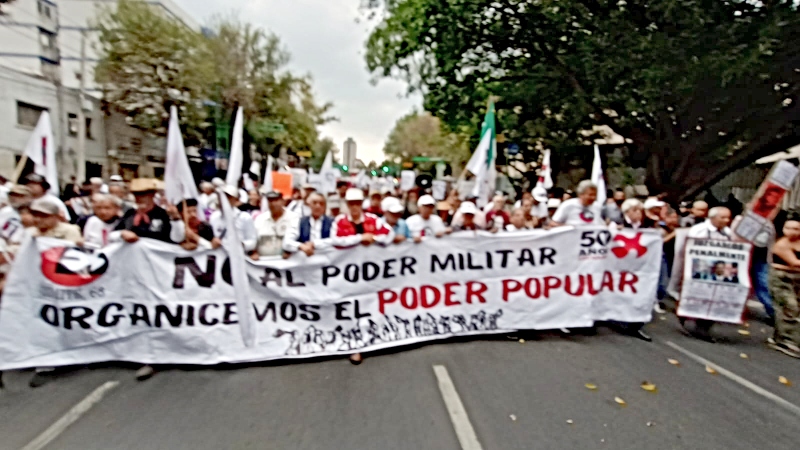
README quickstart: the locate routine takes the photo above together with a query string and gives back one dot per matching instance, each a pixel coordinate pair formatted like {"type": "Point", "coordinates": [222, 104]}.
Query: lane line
{"type": "Point", "coordinates": [60, 425]}
{"type": "Point", "coordinates": [458, 415]}
{"type": "Point", "coordinates": [791, 407]}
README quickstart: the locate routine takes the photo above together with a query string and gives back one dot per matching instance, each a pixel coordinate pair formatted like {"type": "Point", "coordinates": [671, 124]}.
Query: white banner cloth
{"type": "Point", "coordinates": [152, 302]}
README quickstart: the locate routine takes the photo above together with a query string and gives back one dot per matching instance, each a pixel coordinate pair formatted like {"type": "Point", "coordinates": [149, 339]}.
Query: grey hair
{"type": "Point", "coordinates": [206, 184]}
{"type": "Point", "coordinates": [96, 198]}
{"type": "Point", "coordinates": [317, 194]}
{"type": "Point", "coordinates": [631, 203]}
{"type": "Point", "coordinates": [713, 212]}
{"type": "Point", "coordinates": [584, 185]}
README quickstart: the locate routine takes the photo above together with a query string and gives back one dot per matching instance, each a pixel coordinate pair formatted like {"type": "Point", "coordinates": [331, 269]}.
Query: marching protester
{"type": "Point", "coordinates": [518, 221]}
{"type": "Point", "coordinates": [299, 206]}
{"type": "Point", "coordinates": [394, 218]}
{"type": "Point", "coordinates": [199, 233]}
{"type": "Point", "coordinates": [425, 223]}
{"type": "Point", "coordinates": [581, 211]}
{"type": "Point", "coordinates": [412, 198]}
{"type": "Point", "coordinates": [101, 228]}
{"type": "Point", "coordinates": [253, 205]}
{"type": "Point", "coordinates": [653, 208]}
{"type": "Point", "coordinates": [204, 201]}
{"type": "Point", "coordinates": [39, 188]}
{"type": "Point", "coordinates": [120, 190]}
{"type": "Point", "coordinates": [12, 228]}
{"type": "Point", "coordinates": [612, 211]}
{"type": "Point", "coordinates": [334, 205]}
{"type": "Point", "coordinates": [243, 222]}
{"type": "Point", "coordinates": [358, 227]}
{"type": "Point", "coordinates": [497, 218]}
{"type": "Point", "coordinates": [375, 204]}
{"type": "Point", "coordinates": [149, 220]}
{"type": "Point", "coordinates": [443, 210]}
{"type": "Point", "coordinates": [468, 211]}
{"type": "Point", "coordinates": [716, 227]}
{"type": "Point", "coordinates": [784, 282]}
{"type": "Point", "coordinates": [341, 188]}
{"type": "Point", "coordinates": [272, 225]}
{"type": "Point", "coordinates": [697, 214]}
{"type": "Point", "coordinates": [311, 232]}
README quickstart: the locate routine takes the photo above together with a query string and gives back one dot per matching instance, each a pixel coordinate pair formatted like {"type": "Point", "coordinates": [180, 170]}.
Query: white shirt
{"type": "Point", "coordinates": [572, 212]}
{"type": "Point", "coordinates": [538, 210]}
{"type": "Point", "coordinates": [299, 208]}
{"type": "Point", "coordinates": [98, 234]}
{"type": "Point", "coordinates": [705, 230]}
{"type": "Point", "coordinates": [511, 227]}
{"type": "Point", "coordinates": [291, 240]}
{"type": "Point", "coordinates": [270, 233]}
{"type": "Point", "coordinates": [421, 227]}
{"type": "Point", "coordinates": [244, 226]}
{"type": "Point", "coordinates": [11, 229]}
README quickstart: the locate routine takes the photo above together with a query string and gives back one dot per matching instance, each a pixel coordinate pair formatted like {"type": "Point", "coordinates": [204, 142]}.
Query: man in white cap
{"type": "Point", "coordinates": [425, 223]}
{"type": "Point", "coordinates": [393, 215]}
{"type": "Point", "coordinates": [358, 227]}
{"type": "Point", "coordinates": [468, 212]}
{"type": "Point", "coordinates": [355, 226]}
{"type": "Point", "coordinates": [48, 223]}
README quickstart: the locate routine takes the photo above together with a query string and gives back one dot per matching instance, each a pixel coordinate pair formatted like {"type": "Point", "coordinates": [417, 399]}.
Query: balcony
{"type": "Point", "coordinates": [48, 15]}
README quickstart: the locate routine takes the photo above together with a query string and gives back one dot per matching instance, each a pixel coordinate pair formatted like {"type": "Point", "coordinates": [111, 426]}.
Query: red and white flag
{"type": "Point", "coordinates": [41, 149]}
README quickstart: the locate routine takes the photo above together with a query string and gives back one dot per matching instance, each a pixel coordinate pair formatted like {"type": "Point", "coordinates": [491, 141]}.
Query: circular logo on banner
{"type": "Point", "coordinates": [587, 216]}
{"type": "Point", "coordinates": [72, 267]}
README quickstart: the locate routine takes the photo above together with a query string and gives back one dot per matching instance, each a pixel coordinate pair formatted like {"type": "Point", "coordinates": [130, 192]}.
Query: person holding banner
{"type": "Point", "coordinates": [358, 227]}
{"type": "Point", "coordinates": [311, 232]}
{"type": "Point", "coordinates": [716, 227]}
{"type": "Point", "coordinates": [300, 206]}
{"type": "Point", "coordinates": [581, 211]}
{"type": "Point", "coordinates": [425, 223]}
{"type": "Point", "coordinates": [149, 220]}
{"type": "Point", "coordinates": [40, 188]}
{"type": "Point", "coordinates": [468, 212]}
{"type": "Point", "coordinates": [518, 220]}
{"type": "Point", "coordinates": [48, 223]}
{"type": "Point", "coordinates": [784, 281]}
{"type": "Point", "coordinates": [101, 228]}
{"type": "Point", "coordinates": [199, 234]}
{"type": "Point", "coordinates": [394, 217]}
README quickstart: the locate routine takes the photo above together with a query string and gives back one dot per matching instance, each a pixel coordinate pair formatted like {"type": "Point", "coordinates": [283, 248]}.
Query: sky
{"type": "Point", "coordinates": [326, 42]}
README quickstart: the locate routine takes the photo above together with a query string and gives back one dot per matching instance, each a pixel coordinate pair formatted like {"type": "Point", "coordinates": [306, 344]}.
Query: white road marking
{"type": "Point", "coordinates": [70, 417]}
{"type": "Point", "coordinates": [791, 407]}
{"type": "Point", "coordinates": [458, 415]}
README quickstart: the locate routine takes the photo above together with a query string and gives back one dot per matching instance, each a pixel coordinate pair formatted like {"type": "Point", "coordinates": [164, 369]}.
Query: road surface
{"type": "Point", "coordinates": [488, 393]}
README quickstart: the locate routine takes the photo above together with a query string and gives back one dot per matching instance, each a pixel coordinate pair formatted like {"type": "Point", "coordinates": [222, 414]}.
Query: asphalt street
{"type": "Point", "coordinates": [515, 395]}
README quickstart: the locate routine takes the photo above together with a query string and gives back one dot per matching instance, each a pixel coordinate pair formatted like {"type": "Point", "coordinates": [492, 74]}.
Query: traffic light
{"type": "Point", "coordinates": [374, 173]}
{"type": "Point", "coordinates": [344, 168]}
{"type": "Point", "coordinates": [385, 169]}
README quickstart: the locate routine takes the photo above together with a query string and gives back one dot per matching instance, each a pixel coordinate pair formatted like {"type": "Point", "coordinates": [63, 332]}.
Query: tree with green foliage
{"type": "Point", "coordinates": [148, 63]}
{"type": "Point", "coordinates": [421, 134]}
{"type": "Point", "coordinates": [697, 87]}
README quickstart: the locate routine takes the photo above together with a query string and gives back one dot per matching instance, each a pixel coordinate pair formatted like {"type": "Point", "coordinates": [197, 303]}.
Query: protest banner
{"type": "Point", "coordinates": [716, 280]}
{"type": "Point", "coordinates": [756, 222]}
{"type": "Point", "coordinates": [152, 302]}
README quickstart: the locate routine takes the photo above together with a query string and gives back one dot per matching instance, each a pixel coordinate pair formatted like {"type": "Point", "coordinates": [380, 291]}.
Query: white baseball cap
{"type": "Point", "coordinates": [653, 202]}
{"type": "Point", "coordinates": [468, 208]}
{"type": "Point", "coordinates": [354, 194]}
{"type": "Point", "coordinates": [553, 203]}
{"type": "Point", "coordinates": [426, 200]}
{"type": "Point", "coordinates": [231, 191]}
{"type": "Point", "coordinates": [539, 194]}
{"type": "Point", "coordinates": [392, 205]}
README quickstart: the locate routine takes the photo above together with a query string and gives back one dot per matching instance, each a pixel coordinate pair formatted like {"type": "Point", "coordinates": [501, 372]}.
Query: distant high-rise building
{"type": "Point", "coordinates": [349, 157]}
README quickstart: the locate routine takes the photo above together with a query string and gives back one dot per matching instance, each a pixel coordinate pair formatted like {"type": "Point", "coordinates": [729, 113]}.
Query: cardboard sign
{"type": "Point", "coordinates": [439, 189]}
{"type": "Point", "coordinates": [282, 182]}
{"type": "Point", "coordinates": [407, 180]}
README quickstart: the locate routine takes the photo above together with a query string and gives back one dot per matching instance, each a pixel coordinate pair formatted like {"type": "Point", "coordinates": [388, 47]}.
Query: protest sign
{"type": "Point", "coordinates": [407, 180]}
{"type": "Point", "coordinates": [438, 189]}
{"type": "Point", "coordinates": [716, 280]}
{"type": "Point", "coordinates": [152, 302]}
{"type": "Point", "coordinates": [315, 179]}
{"type": "Point", "coordinates": [282, 182]}
{"type": "Point", "coordinates": [329, 177]}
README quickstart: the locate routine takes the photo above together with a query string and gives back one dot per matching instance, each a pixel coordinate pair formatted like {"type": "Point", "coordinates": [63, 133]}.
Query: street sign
{"type": "Point", "coordinates": [512, 149]}
{"type": "Point", "coordinates": [304, 153]}
{"type": "Point", "coordinates": [425, 159]}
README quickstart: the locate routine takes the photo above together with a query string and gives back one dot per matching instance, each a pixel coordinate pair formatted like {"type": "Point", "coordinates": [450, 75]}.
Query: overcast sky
{"type": "Point", "coordinates": [325, 41]}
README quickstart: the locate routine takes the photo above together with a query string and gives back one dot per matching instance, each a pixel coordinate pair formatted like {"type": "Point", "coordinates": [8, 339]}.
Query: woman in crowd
{"type": "Point", "coordinates": [785, 288]}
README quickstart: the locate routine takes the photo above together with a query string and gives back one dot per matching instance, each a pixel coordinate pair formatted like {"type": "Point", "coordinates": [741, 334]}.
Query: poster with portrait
{"type": "Point", "coordinates": [716, 280]}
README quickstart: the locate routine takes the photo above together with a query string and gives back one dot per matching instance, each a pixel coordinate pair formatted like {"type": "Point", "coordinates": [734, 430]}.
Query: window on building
{"type": "Point", "coordinates": [89, 128]}
{"type": "Point", "coordinates": [47, 40]}
{"type": "Point", "coordinates": [72, 124]}
{"type": "Point", "coordinates": [28, 115]}
{"type": "Point", "coordinates": [44, 9]}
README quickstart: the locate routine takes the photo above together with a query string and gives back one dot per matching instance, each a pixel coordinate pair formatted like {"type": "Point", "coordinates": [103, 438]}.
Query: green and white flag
{"type": "Point", "coordinates": [482, 162]}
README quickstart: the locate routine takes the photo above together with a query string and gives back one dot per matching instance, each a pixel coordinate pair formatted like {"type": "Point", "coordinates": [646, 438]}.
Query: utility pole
{"type": "Point", "coordinates": [81, 152]}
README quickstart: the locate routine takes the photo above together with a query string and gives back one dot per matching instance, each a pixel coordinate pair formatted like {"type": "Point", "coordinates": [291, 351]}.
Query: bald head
{"type": "Point", "coordinates": [720, 217]}
{"type": "Point", "coordinates": [700, 209]}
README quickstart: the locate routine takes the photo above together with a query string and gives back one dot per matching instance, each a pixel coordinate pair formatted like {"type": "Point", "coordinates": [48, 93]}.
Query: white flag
{"type": "Point", "coordinates": [545, 172]}
{"type": "Point", "coordinates": [327, 164]}
{"type": "Point", "coordinates": [266, 183]}
{"type": "Point", "coordinates": [482, 162]}
{"type": "Point", "coordinates": [232, 244]}
{"type": "Point", "coordinates": [178, 179]}
{"type": "Point", "coordinates": [41, 149]}
{"type": "Point", "coordinates": [236, 157]}
{"type": "Point", "coordinates": [597, 177]}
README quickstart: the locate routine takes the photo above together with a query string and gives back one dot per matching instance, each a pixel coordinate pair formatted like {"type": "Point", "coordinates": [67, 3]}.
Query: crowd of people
{"type": "Point", "coordinates": [101, 212]}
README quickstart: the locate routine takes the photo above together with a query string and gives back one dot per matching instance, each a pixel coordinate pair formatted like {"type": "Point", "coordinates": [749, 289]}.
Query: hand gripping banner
{"type": "Point", "coordinates": [152, 302]}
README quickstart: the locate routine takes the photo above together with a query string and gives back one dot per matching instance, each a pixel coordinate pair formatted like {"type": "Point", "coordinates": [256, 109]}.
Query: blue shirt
{"type": "Point", "coordinates": [401, 229]}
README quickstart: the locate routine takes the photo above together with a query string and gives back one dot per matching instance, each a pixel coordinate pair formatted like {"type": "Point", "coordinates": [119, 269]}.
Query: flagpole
{"type": "Point", "coordinates": [20, 167]}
